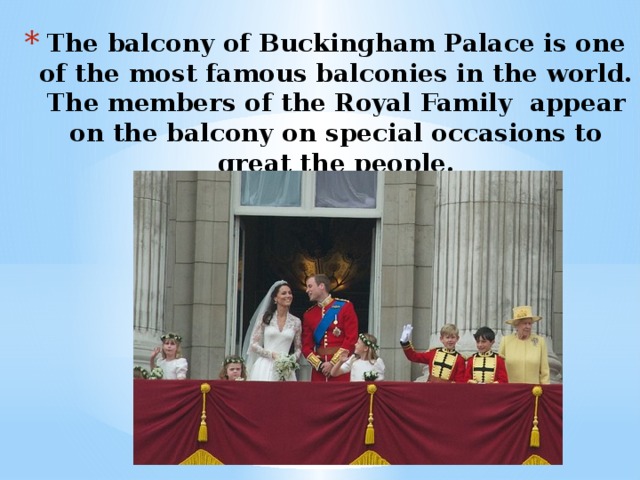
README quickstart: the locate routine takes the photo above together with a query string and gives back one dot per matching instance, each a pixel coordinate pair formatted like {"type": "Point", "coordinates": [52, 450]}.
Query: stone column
{"type": "Point", "coordinates": [210, 274]}
{"type": "Point", "coordinates": [423, 272]}
{"type": "Point", "coordinates": [398, 233]}
{"type": "Point", "coordinates": [150, 236]}
{"type": "Point", "coordinates": [494, 249]}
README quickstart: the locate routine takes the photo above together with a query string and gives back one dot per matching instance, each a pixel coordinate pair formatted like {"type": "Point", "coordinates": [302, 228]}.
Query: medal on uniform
{"type": "Point", "coordinates": [336, 331]}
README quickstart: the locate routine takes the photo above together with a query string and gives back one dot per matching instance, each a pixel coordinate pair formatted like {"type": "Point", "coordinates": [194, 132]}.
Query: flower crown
{"type": "Point", "coordinates": [229, 360]}
{"type": "Point", "coordinates": [368, 342]}
{"type": "Point", "coordinates": [171, 336]}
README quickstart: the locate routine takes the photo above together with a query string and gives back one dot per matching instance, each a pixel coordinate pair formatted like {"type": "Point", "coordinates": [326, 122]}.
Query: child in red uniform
{"type": "Point", "coordinates": [486, 366]}
{"type": "Point", "coordinates": [445, 364]}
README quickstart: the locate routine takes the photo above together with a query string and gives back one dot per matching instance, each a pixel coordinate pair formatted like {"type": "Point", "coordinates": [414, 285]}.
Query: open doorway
{"type": "Point", "coordinates": [292, 248]}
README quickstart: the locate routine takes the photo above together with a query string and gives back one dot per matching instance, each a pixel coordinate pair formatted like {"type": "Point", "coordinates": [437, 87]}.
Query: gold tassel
{"type": "Point", "coordinates": [535, 437]}
{"type": "Point", "coordinates": [369, 436]}
{"type": "Point", "coordinates": [202, 432]}
{"type": "Point", "coordinates": [534, 441]}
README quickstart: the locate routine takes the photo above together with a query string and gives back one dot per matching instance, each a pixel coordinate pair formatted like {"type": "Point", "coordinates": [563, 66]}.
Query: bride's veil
{"type": "Point", "coordinates": [251, 357]}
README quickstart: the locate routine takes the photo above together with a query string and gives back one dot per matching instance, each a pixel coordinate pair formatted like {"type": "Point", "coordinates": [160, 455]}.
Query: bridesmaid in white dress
{"type": "Point", "coordinates": [173, 365]}
{"type": "Point", "coordinates": [364, 364]}
{"type": "Point", "coordinates": [274, 332]}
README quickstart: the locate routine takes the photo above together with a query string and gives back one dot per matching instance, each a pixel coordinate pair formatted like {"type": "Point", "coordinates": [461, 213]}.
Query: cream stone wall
{"type": "Point", "coordinates": [556, 326]}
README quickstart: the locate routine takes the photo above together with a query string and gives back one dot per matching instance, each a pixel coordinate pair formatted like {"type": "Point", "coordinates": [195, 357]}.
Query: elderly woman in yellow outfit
{"type": "Point", "coordinates": [524, 352]}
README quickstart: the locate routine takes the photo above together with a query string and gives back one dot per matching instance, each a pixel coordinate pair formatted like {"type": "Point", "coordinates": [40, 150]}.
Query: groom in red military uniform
{"type": "Point", "coordinates": [329, 328]}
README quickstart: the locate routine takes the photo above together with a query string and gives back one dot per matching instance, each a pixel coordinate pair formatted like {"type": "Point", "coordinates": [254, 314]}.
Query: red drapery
{"type": "Point", "coordinates": [296, 423]}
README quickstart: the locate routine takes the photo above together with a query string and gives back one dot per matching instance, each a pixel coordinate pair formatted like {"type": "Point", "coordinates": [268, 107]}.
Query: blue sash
{"type": "Point", "coordinates": [329, 316]}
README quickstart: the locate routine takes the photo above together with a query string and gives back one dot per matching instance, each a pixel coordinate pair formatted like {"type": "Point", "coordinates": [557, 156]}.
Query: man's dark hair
{"type": "Point", "coordinates": [486, 333]}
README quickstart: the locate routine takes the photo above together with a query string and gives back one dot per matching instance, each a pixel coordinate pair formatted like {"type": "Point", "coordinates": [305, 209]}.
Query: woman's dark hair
{"type": "Point", "coordinates": [271, 308]}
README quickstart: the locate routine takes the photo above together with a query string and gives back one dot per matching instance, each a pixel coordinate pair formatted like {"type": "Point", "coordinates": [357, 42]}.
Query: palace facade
{"type": "Point", "coordinates": [423, 248]}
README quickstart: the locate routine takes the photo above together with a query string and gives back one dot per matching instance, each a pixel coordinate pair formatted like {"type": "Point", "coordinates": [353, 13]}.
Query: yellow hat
{"type": "Point", "coordinates": [520, 313]}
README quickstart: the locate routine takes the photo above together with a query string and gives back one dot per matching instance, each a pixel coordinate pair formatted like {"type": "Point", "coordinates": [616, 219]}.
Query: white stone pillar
{"type": "Point", "coordinates": [494, 249]}
{"type": "Point", "coordinates": [150, 237]}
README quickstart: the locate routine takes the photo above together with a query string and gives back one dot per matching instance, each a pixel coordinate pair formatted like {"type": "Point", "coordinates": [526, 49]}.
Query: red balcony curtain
{"type": "Point", "coordinates": [295, 423]}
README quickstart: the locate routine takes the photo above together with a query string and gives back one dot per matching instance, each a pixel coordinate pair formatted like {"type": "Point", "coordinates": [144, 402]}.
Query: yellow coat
{"type": "Point", "coordinates": [527, 360]}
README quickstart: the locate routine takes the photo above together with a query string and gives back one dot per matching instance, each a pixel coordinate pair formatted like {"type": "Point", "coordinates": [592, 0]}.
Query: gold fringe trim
{"type": "Point", "coordinates": [202, 431]}
{"type": "Point", "coordinates": [369, 435]}
{"type": "Point", "coordinates": [535, 460]}
{"type": "Point", "coordinates": [201, 457]}
{"type": "Point", "coordinates": [534, 441]}
{"type": "Point", "coordinates": [370, 458]}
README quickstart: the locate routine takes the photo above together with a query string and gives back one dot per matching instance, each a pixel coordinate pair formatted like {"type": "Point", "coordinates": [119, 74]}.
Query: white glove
{"type": "Point", "coordinates": [406, 333]}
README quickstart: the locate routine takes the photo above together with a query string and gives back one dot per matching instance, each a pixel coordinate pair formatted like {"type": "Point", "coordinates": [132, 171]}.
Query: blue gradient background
{"type": "Point", "coordinates": [66, 216]}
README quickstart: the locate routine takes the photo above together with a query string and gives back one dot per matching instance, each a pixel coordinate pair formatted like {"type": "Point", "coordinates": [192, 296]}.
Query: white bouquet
{"type": "Point", "coordinates": [156, 374]}
{"type": "Point", "coordinates": [370, 376]}
{"type": "Point", "coordinates": [284, 365]}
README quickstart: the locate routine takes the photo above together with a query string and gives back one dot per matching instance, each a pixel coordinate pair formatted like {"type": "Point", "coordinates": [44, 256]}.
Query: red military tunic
{"type": "Point", "coordinates": [444, 365]}
{"type": "Point", "coordinates": [340, 336]}
{"type": "Point", "coordinates": [486, 368]}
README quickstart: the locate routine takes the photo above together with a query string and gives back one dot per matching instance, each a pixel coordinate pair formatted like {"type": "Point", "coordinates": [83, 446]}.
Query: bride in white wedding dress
{"type": "Point", "coordinates": [274, 331]}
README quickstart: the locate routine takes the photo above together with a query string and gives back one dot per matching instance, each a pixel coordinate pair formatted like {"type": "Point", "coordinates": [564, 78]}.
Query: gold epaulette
{"type": "Point", "coordinates": [336, 356]}
{"type": "Point", "coordinates": [342, 300]}
{"type": "Point", "coordinates": [314, 360]}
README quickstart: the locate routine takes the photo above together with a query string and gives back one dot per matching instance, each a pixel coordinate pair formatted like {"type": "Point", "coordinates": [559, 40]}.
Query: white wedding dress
{"type": "Point", "coordinates": [268, 339]}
